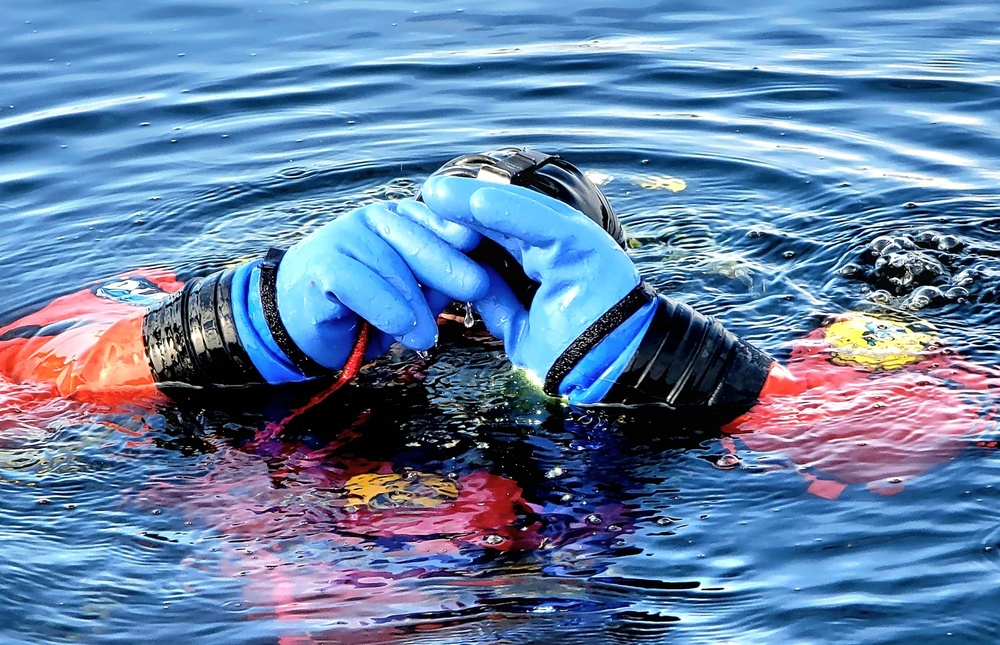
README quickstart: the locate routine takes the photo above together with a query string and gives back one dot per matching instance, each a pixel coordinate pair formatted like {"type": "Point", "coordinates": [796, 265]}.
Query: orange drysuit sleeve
{"type": "Point", "coordinates": [89, 343]}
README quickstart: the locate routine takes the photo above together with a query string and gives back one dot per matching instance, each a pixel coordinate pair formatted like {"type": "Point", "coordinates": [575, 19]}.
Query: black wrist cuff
{"type": "Point", "coordinates": [688, 360]}
{"type": "Point", "coordinates": [191, 336]}
{"type": "Point", "coordinates": [269, 305]}
{"type": "Point", "coordinates": [635, 300]}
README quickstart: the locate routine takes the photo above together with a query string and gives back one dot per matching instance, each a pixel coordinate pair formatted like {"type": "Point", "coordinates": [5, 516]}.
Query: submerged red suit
{"type": "Point", "coordinates": [82, 356]}
{"type": "Point", "coordinates": [848, 409]}
{"type": "Point", "coordinates": [867, 401]}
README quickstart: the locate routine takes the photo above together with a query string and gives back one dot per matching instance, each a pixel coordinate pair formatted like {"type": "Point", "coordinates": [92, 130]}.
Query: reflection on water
{"type": "Point", "coordinates": [777, 166]}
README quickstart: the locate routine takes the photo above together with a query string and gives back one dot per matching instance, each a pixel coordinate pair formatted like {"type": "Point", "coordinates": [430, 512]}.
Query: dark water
{"type": "Point", "coordinates": [187, 135]}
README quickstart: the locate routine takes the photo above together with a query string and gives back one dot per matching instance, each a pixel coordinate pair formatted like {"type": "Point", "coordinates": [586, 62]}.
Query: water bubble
{"type": "Point", "coordinates": [923, 297]}
{"type": "Point", "coordinates": [957, 293]}
{"type": "Point", "coordinates": [966, 277]}
{"type": "Point", "coordinates": [949, 243]}
{"type": "Point", "coordinates": [727, 462]}
{"type": "Point", "coordinates": [469, 320]}
{"type": "Point", "coordinates": [891, 248]}
{"type": "Point", "coordinates": [880, 297]}
{"type": "Point", "coordinates": [494, 539]}
{"type": "Point", "coordinates": [851, 270]}
{"type": "Point", "coordinates": [879, 243]}
{"type": "Point", "coordinates": [594, 519]}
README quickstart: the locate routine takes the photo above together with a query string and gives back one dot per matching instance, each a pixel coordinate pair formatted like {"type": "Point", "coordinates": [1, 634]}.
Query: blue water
{"type": "Point", "coordinates": [190, 135]}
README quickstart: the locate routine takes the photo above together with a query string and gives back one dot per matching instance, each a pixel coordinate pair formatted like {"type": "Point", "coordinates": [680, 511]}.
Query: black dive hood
{"type": "Point", "coordinates": [541, 172]}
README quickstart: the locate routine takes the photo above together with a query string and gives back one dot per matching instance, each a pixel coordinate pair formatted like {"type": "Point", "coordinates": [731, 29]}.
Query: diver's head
{"type": "Point", "coordinates": [547, 174]}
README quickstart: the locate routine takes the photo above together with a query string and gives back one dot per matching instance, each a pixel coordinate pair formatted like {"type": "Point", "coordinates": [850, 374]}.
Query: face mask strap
{"type": "Point", "coordinates": [515, 168]}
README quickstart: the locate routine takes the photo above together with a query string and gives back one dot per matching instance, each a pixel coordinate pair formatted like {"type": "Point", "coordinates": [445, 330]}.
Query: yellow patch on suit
{"type": "Point", "coordinates": [875, 343]}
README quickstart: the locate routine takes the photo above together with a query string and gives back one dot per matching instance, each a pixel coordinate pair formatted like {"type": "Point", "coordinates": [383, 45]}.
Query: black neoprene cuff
{"type": "Point", "coordinates": [190, 337]}
{"type": "Point", "coordinates": [269, 305]}
{"type": "Point", "coordinates": [635, 300]}
{"type": "Point", "coordinates": [690, 361]}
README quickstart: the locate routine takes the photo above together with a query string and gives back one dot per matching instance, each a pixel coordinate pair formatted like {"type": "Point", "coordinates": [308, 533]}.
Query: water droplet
{"type": "Point", "coordinates": [470, 320]}
{"type": "Point", "coordinates": [493, 540]}
{"type": "Point", "coordinates": [614, 528]}
{"type": "Point", "coordinates": [594, 519]}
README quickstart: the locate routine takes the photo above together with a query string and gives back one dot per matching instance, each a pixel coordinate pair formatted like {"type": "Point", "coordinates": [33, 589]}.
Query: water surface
{"type": "Point", "coordinates": [184, 135]}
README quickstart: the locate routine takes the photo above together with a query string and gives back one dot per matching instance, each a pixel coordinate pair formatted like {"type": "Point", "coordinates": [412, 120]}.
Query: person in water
{"type": "Point", "coordinates": [537, 250]}
{"type": "Point", "coordinates": [296, 315]}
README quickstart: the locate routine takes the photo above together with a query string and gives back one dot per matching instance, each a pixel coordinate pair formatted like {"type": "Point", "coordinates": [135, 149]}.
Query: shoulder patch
{"type": "Point", "coordinates": [132, 290]}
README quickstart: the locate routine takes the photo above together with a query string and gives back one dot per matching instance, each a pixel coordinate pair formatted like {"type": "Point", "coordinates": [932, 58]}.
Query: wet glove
{"type": "Point", "coordinates": [296, 314]}
{"type": "Point", "coordinates": [593, 331]}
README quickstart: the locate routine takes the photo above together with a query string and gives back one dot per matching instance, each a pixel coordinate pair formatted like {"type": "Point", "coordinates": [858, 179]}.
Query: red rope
{"type": "Point", "coordinates": [347, 374]}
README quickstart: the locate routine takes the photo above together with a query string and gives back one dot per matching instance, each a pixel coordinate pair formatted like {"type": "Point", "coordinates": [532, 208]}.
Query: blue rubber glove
{"type": "Point", "coordinates": [582, 272]}
{"type": "Point", "coordinates": [373, 264]}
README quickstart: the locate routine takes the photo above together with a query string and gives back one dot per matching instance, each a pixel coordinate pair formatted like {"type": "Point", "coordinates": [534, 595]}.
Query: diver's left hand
{"type": "Point", "coordinates": [373, 264]}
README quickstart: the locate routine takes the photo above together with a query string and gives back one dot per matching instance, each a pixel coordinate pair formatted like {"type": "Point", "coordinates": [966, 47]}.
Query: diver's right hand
{"type": "Point", "coordinates": [583, 275]}
{"type": "Point", "coordinates": [593, 331]}
{"type": "Point", "coordinates": [372, 264]}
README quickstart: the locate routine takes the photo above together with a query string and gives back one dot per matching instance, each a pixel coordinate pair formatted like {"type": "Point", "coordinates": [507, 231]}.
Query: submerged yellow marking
{"type": "Point", "coordinates": [380, 492]}
{"type": "Point", "coordinates": [654, 182]}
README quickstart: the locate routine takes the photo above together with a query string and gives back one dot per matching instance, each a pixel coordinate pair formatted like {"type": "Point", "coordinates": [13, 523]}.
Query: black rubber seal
{"type": "Point", "coordinates": [687, 361]}
{"type": "Point", "coordinates": [191, 338]}
{"type": "Point", "coordinates": [595, 333]}
{"type": "Point", "coordinates": [269, 305]}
